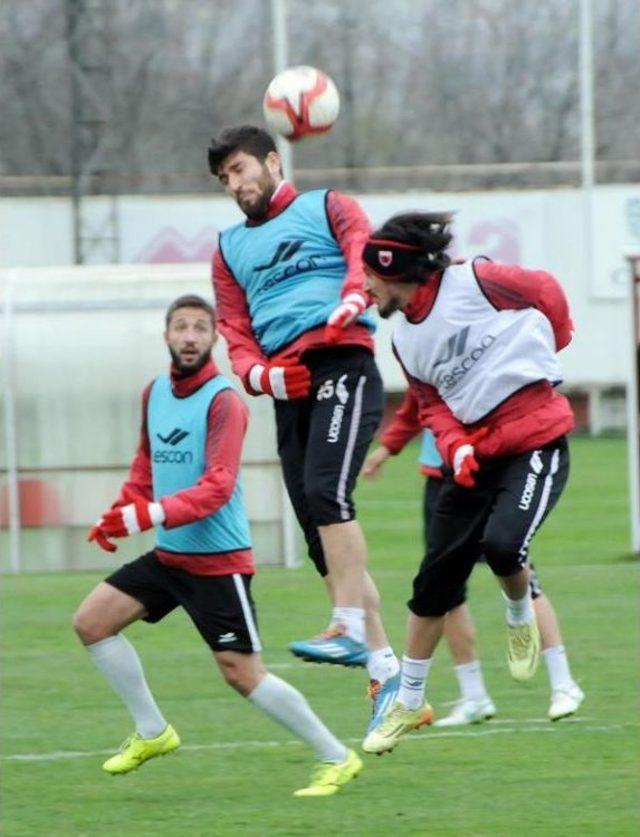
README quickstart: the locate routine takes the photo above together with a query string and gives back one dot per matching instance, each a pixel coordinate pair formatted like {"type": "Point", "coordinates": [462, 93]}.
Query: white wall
{"type": "Point", "coordinates": [543, 229]}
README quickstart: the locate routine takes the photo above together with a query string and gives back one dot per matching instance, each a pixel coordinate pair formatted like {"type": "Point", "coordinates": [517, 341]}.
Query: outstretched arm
{"type": "Point", "coordinates": [350, 227]}
{"type": "Point", "coordinates": [226, 428]}
{"type": "Point", "coordinates": [404, 425]}
{"type": "Point", "coordinates": [234, 321]}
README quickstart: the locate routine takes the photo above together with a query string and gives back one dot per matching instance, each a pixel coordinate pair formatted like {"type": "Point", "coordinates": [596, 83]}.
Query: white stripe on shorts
{"type": "Point", "coordinates": [544, 502]}
{"type": "Point", "coordinates": [348, 452]}
{"type": "Point", "coordinates": [248, 615]}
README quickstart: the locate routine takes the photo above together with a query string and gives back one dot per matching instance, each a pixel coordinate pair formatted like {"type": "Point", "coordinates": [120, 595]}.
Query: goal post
{"type": "Point", "coordinates": [79, 345]}
{"type": "Point", "coordinates": [633, 399]}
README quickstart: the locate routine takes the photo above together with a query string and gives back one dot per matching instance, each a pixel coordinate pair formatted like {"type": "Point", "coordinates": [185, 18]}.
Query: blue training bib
{"type": "Point", "coordinates": [291, 270]}
{"type": "Point", "coordinates": [429, 454]}
{"type": "Point", "coordinates": [177, 429]}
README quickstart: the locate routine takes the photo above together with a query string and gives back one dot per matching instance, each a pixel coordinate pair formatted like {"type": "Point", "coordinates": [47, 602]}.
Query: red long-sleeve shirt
{"type": "Point", "coordinates": [531, 417]}
{"type": "Point", "coordinates": [350, 227]}
{"type": "Point", "coordinates": [226, 427]}
{"type": "Point", "coordinates": [404, 425]}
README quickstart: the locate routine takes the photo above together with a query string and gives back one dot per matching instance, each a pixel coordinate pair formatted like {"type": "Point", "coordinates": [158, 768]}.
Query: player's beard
{"type": "Point", "coordinates": [190, 368]}
{"type": "Point", "coordinates": [267, 187]}
{"type": "Point", "coordinates": [388, 308]}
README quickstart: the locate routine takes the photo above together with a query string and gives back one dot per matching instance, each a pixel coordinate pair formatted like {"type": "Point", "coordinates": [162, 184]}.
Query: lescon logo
{"type": "Point", "coordinates": [285, 250]}
{"type": "Point", "coordinates": [175, 437]}
{"type": "Point", "coordinates": [455, 346]}
{"type": "Point", "coordinates": [456, 360]}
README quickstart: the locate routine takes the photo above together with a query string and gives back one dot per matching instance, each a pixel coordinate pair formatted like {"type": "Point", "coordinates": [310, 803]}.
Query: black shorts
{"type": "Point", "coordinates": [220, 606]}
{"type": "Point", "coordinates": [430, 501]}
{"type": "Point", "coordinates": [323, 439]}
{"type": "Point", "coordinates": [498, 518]}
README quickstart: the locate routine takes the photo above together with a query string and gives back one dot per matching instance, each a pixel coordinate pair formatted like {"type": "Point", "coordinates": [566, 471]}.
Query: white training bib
{"type": "Point", "coordinates": [473, 354]}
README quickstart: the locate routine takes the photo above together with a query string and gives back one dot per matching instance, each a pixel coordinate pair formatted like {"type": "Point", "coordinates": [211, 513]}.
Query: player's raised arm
{"type": "Point", "coordinates": [350, 226]}
{"type": "Point", "coordinates": [234, 320]}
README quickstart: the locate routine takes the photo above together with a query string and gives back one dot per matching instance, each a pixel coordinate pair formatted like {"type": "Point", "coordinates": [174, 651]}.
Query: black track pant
{"type": "Point", "coordinates": [323, 439]}
{"type": "Point", "coordinates": [497, 518]}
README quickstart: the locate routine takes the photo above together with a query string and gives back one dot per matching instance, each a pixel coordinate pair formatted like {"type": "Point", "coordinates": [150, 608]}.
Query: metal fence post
{"type": "Point", "coordinates": [10, 429]}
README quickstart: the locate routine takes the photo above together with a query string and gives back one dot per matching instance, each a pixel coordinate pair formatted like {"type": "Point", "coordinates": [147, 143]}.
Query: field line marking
{"type": "Point", "coordinates": [62, 755]}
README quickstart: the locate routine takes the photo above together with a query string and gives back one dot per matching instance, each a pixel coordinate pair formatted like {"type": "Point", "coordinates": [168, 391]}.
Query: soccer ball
{"type": "Point", "coordinates": [300, 102]}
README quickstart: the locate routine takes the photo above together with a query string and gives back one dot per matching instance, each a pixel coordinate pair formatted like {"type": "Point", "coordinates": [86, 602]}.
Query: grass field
{"type": "Point", "coordinates": [518, 774]}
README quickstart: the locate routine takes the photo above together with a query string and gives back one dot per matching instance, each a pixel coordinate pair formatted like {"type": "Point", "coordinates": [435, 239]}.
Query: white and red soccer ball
{"type": "Point", "coordinates": [300, 102]}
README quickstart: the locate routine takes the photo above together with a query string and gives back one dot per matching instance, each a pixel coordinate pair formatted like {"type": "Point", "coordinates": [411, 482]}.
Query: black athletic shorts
{"type": "Point", "coordinates": [220, 606]}
{"type": "Point", "coordinates": [497, 518]}
{"type": "Point", "coordinates": [430, 500]}
{"type": "Point", "coordinates": [323, 439]}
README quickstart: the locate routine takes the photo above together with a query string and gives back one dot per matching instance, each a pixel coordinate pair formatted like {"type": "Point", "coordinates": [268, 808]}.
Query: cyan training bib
{"type": "Point", "coordinates": [177, 429]}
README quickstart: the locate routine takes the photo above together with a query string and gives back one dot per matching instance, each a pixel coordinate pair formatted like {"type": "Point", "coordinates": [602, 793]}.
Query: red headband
{"type": "Point", "coordinates": [390, 259]}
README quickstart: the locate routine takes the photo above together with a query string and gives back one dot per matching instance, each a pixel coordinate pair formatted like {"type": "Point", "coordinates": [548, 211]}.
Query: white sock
{"type": "Point", "coordinates": [519, 611]}
{"type": "Point", "coordinates": [413, 682]}
{"type": "Point", "coordinates": [117, 659]}
{"type": "Point", "coordinates": [288, 707]}
{"type": "Point", "coordinates": [352, 618]}
{"type": "Point", "coordinates": [557, 667]}
{"type": "Point", "coordinates": [471, 681]}
{"type": "Point", "coordinates": [382, 664]}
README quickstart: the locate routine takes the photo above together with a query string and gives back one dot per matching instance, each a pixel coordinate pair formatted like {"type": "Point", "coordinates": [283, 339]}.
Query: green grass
{"type": "Point", "coordinates": [235, 774]}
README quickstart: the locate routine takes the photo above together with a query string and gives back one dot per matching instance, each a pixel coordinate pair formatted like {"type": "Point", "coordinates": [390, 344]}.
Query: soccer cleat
{"type": "Point", "coordinates": [333, 646]}
{"type": "Point", "coordinates": [565, 701]}
{"type": "Point", "coordinates": [328, 777]}
{"type": "Point", "coordinates": [136, 750]}
{"type": "Point", "coordinates": [523, 651]}
{"type": "Point", "coordinates": [396, 723]}
{"type": "Point", "coordinates": [383, 696]}
{"type": "Point", "coordinates": [468, 712]}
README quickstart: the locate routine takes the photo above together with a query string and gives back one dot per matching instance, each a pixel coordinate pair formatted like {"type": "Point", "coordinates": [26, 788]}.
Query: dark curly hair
{"type": "Point", "coordinates": [248, 138]}
{"type": "Point", "coordinates": [428, 230]}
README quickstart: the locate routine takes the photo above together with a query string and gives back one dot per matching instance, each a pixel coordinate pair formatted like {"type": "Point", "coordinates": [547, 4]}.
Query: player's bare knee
{"type": "Point", "coordinates": [231, 671]}
{"type": "Point", "coordinates": [88, 627]}
{"type": "Point", "coordinates": [241, 672]}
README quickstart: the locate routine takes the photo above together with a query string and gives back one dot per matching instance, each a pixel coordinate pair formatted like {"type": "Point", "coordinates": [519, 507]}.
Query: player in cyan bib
{"type": "Point", "coordinates": [185, 481]}
{"type": "Point", "coordinates": [289, 287]}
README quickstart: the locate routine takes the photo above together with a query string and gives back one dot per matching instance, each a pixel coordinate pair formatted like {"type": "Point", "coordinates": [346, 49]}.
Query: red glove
{"type": "Point", "coordinates": [282, 379]}
{"type": "Point", "coordinates": [96, 534]}
{"type": "Point", "coordinates": [351, 307]}
{"type": "Point", "coordinates": [131, 519]}
{"type": "Point", "coordinates": [465, 465]}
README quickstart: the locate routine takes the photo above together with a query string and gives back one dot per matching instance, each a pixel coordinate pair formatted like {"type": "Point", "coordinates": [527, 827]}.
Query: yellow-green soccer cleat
{"type": "Point", "coordinates": [136, 750]}
{"type": "Point", "coordinates": [328, 777]}
{"type": "Point", "coordinates": [397, 722]}
{"type": "Point", "coordinates": [523, 650]}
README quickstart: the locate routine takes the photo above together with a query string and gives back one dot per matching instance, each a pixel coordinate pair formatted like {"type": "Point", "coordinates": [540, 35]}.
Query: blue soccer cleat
{"type": "Point", "coordinates": [383, 696]}
{"type": "Point", "coordinates": [333, 646]}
